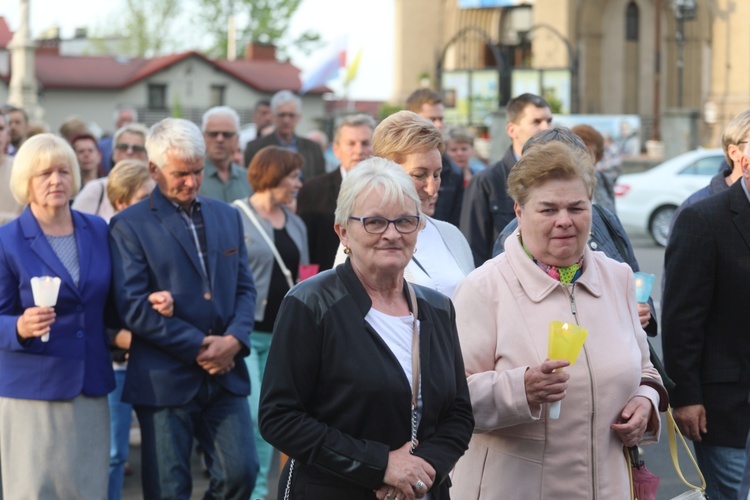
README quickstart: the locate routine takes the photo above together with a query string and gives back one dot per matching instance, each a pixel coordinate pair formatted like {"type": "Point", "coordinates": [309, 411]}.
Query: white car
{"type": "Point", "coordinates": [646, 201]}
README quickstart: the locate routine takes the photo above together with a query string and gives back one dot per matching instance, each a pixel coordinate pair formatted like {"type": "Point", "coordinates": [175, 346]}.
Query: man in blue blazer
{"type": "Point", "coordinates": [186, 377]}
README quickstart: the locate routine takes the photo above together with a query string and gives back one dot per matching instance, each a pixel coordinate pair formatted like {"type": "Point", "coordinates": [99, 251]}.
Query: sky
{"type": "Point", "coordinates": [367, 25]}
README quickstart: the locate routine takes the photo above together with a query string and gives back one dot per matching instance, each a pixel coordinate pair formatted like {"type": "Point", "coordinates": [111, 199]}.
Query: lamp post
{"type": "Point", "coordinates": [684, 10]}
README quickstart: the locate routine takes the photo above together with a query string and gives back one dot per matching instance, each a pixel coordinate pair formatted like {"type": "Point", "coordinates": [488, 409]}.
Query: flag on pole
{"type": "Point", "coordinates": [351, 71]}
{"type": "Point", "coordinates": [326, 66]}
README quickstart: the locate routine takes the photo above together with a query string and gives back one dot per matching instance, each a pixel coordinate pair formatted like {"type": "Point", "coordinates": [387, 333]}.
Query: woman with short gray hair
{"type": "Point", "coordinates": [346, 340]}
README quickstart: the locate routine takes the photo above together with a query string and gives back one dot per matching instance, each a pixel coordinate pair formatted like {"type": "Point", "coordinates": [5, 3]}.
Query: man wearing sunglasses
{"type": "Point", "coordinates": [287, 111]}
{"type": "Point", "coordinates": [223, 179]}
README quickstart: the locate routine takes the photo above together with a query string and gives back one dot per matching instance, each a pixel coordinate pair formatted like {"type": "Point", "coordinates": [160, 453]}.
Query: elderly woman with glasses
{"type": "Point", "coordinates": [444, 256]}
{"type": "Point", "coordinates": [129, 143]}
{"type": "Point", "coordinates": [364, 387]}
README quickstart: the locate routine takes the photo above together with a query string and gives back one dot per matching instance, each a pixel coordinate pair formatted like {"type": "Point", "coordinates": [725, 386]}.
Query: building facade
{"type": "Point", "coordinates": [658, 59]}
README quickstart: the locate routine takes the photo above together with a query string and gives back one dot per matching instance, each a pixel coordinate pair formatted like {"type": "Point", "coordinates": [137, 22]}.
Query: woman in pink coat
{"type": "Point", "coordinates": [609, 398]}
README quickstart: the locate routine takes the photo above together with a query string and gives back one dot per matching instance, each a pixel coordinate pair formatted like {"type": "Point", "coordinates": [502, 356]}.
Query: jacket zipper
{"type": "Point", "coordinates": [570, 289]}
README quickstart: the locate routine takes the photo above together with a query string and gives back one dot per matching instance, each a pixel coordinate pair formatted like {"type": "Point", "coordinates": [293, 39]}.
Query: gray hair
{"type": "Point", "coordinates": [181, 138]}
{"type": "Point", "coordinates": [557, 134]}
{"type": "Point", "coordinates": [36, 154]}
{"type": "Point", "coordinates": [284, 97]}
{"type": "Point", "coordinates": [221, 111]}
{"type": "Point", "coordinates": [358, 120]}
{"type": "Point", "coordinates": [460, 135]}
{"type": "Point", "coordinates": [133, 111]}
{"type": "Point", "coordinates": [130, 128]}
{"type": "Point", "coordinates": [375, 173]}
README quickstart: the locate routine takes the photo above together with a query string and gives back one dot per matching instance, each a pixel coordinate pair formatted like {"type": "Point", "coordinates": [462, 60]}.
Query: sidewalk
{"type": "Point", "coordinates": [132, 487]}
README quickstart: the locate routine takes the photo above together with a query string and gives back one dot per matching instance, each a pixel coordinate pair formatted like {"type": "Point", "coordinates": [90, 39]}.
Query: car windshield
{"type": "Point", "coordinates": [708, 166]}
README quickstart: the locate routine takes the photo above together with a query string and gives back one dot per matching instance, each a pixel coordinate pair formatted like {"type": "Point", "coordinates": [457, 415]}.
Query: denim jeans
{"type": "Point", "coordinates": [221, 423]}
{"type": "Point", "coordinates": [119, 429]}
{"type": "Point", "coordinates": [256, 365]}
{"type": "Point", "coordinates": [722, 467]}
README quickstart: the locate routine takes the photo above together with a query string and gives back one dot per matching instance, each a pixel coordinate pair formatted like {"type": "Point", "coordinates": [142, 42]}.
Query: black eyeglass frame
{"type": "Point", "coordinates": [364, 220]}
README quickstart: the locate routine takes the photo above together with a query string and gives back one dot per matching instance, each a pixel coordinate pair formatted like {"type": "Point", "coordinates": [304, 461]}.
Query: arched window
{"type": "Point", "coordinates": [631, 22]}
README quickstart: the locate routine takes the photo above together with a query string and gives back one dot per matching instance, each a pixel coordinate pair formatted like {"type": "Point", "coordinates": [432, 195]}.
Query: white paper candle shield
{"type": "Point", "coordinates": [45, 290]}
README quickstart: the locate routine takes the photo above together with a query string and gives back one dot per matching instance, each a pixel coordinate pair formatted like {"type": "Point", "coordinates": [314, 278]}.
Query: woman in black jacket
{"type": "Point", "coordinates": [339, 393]}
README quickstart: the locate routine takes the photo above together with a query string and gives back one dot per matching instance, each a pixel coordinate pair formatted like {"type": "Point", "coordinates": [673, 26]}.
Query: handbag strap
{"type": "Point", "coordinates": [244, 206]}
{"type": "Point", "coordinates": [415, 367]}
{"type": "Point", "coordinates": [288, 489]}
{"type": "Point", "coordinates": [672, 432]}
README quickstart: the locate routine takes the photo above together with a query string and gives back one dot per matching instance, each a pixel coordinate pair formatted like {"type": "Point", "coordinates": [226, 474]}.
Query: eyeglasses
{"type": "Point", "coordinates": [121, 146]}
{"type": "Point", "coordinates": [378, 225]}
{"type": "Point", "coordinates": [227, 135]}
{"type": "Point", "coordinates": [291, 116]}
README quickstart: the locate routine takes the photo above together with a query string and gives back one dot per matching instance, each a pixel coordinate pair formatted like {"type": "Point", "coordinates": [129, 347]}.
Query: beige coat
{"type": "Point", "coordinates": [503, 313]}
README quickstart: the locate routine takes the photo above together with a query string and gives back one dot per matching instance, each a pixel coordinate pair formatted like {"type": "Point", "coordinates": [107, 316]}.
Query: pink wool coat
{"type": "Point", "coordinates": [503, 311]}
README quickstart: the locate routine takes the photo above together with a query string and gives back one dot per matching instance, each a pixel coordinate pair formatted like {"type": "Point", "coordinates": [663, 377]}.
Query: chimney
{"type": "Point", "coordinates": [256, 51]}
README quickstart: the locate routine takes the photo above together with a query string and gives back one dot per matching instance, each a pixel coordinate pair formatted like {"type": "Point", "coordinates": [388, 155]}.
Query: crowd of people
{"type": "Point", "coordinates": [383, 323]}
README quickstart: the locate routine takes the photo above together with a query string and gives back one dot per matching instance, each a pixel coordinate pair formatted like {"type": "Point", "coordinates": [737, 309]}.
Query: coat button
{"type": "Point", "coordinates": [79, 334]}
{"type": "Point", "coordinates": [207, 295]}
{"type": "Point", "coordinates": [79, 308]}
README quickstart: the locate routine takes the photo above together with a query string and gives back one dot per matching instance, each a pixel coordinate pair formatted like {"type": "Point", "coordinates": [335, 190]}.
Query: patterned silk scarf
{"type": "Point", "coordinates": [565, 275]}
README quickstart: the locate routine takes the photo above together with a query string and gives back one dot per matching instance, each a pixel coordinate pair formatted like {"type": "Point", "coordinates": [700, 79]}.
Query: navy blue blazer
{"type": "Point", "coordinates": [76, 359]}
{"type": "Point", "coordinates": [152, 250]}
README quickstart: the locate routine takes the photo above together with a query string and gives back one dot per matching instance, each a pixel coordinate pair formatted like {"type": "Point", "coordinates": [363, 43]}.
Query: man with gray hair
{"type": "Point", "coordinates": [287, 111]}
{"type": "Point", "coordinates": [223, 179]}
{"type": "Point", "coordinates": [186, 375]}
{"type": "Point", "coordinates": [352, 143]}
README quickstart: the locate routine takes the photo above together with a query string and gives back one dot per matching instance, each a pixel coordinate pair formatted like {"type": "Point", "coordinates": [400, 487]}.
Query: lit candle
{"type": "Point", "coordinates": [565, 342]}
{"type": "Point", "coordinates": [45, 290]}
{"type": "Point", "coordinates": [643, 284]}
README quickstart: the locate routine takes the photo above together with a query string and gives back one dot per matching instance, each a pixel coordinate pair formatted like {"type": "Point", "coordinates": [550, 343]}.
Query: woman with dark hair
{"type": "Point", "coordinates": [276, 241]}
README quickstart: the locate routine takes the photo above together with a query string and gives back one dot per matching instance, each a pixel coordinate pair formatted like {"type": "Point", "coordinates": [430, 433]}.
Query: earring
{"type": "Point", "coordinates": [347, 251]}
{"type": "Point", "coordinates": [415, 250]}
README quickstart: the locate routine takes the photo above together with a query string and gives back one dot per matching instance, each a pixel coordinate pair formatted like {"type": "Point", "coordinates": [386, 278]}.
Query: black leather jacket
{"type": "Point", "coordinates": [336, 399]}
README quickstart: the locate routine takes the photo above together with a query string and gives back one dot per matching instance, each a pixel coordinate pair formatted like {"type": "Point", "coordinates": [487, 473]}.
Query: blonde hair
{"type": "Point", "coordinates": [735, 133]}
{"type": "Point", "coordinates": [36, 154]}
{"type": "Point", "coordinates": [544, 162]}
{"type": "Point", "coordinates": [405, 133]}
{"type": "Point", "coordinates": [125, 178]}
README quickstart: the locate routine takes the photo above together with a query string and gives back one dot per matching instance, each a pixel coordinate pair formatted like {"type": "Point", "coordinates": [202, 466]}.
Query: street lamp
{"type": "Point", "coordinates": [684, 10]}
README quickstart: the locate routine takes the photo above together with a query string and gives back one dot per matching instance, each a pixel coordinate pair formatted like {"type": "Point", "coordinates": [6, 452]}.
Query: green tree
{"type": "Point", "coordinates": [259, 21]}
{"type": "Point", "coordinates": [144, 28]}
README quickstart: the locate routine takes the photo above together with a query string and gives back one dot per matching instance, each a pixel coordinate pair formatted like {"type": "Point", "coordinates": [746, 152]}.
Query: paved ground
{"type": "Point", "coordinates": [132, 489]}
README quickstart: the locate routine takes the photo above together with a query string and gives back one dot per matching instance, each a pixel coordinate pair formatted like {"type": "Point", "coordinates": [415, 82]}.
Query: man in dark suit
{"type": "Point", "coordinates": [706, 347]}
{"type": "Point", "coordinates": [487, 208]}
{"type": "Point", "coordinates": [186, 375]}
{"type": "Point", "coordinates": [316, 204]}
{"type": "Point", "coordinates": [428, 104]}
{"type": "Point", "coordinates": [287, 111]}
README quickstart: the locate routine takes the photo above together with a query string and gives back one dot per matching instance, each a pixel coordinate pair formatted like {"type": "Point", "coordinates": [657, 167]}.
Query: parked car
{"type": "Point", "coordinates": [647, 201]}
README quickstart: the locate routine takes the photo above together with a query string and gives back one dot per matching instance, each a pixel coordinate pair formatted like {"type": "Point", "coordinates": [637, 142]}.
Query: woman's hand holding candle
{"type": "Point", "coordinates": [544, 384]}
{"type": "Point", "coordinates": [35, 322]}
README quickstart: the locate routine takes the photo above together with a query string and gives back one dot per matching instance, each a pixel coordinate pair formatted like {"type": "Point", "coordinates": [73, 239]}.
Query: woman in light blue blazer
{"type": "Point", "coordinates": [55, 369]}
